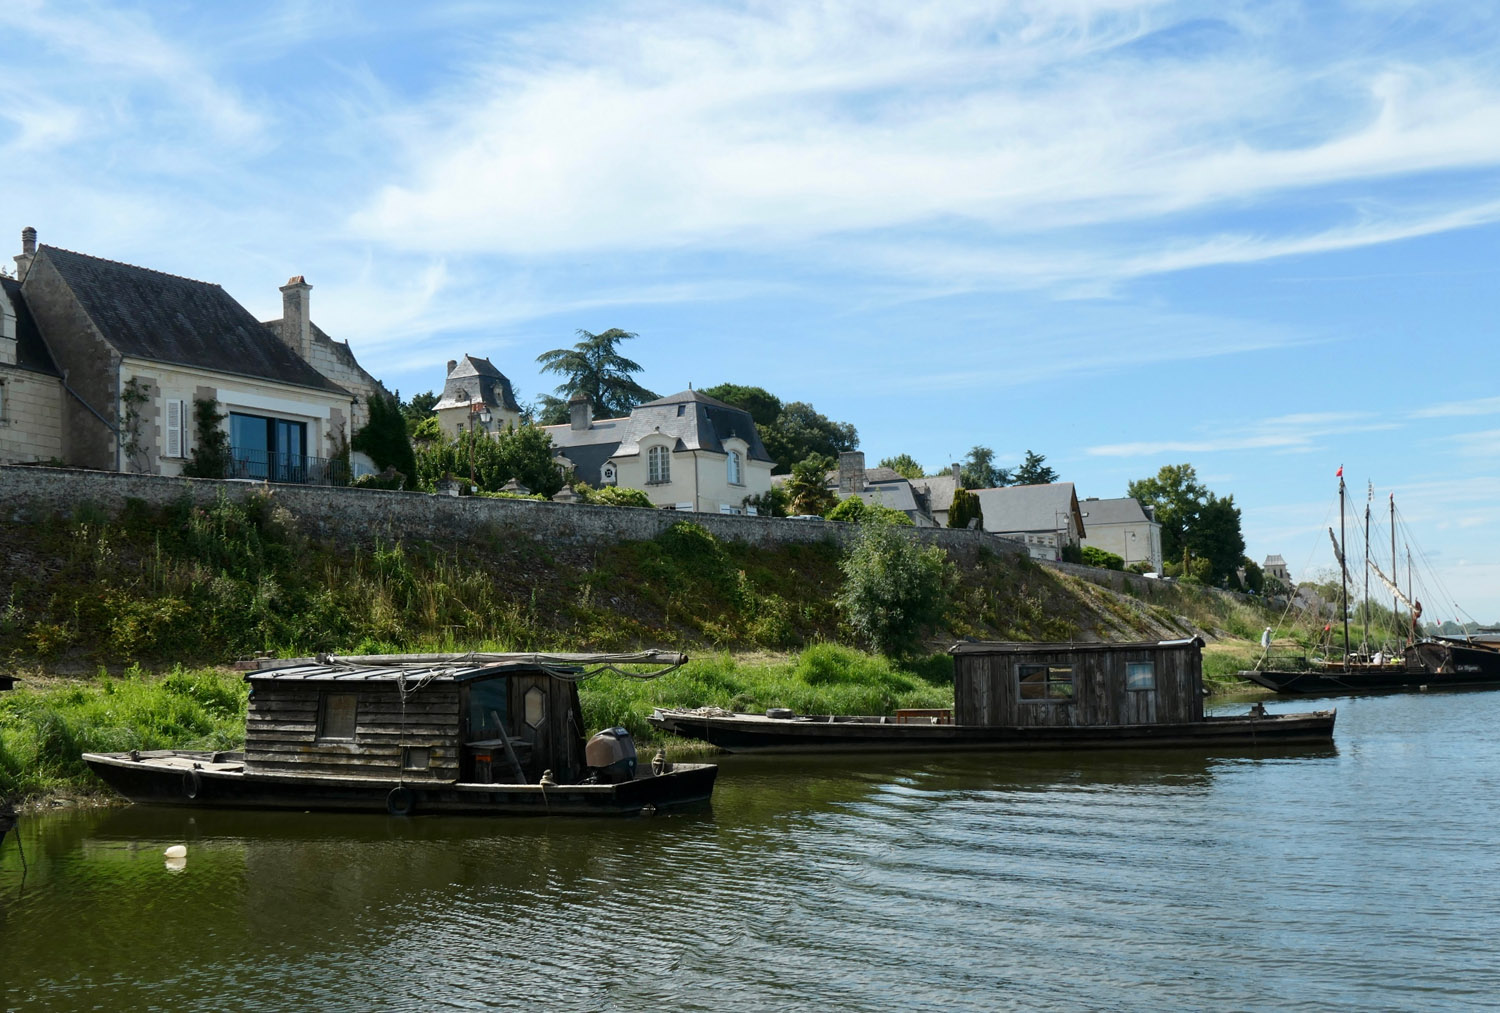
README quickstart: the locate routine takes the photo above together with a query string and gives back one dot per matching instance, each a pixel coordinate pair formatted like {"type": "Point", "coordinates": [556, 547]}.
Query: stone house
{"type": "Point", "coordinates": [938, 492]}
{"type": "Point", "coordinates": [1045, 518]}
{"type": "Point", "coordinates": [476, 394]}
{"type": "Point", "coordinates": [883, 486]}
{"type": "Point", "coordinates": [1275, 566]}
{"type": "Point", "coordinates": [333, 359]}
{"type": "Point", "coordinates": [1124, 527]}
{"type": "Point", "coordinates": [30, 386]}
{"type": "Point", "coordinates": [134, 348]}
{"type": "Point", "coordinates": [687, 452]}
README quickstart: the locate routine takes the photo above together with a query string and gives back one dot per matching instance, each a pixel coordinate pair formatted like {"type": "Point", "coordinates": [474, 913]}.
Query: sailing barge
{"type": "Point", "coordinates": [1430, 664]}
{"type": "Point", "coordinates": [1010, 696]}
{"type": "Point", "coordinates": [485, 734]}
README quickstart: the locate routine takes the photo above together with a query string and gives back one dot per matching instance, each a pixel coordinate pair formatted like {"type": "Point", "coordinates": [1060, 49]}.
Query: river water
{"type": "Point", "coordinates": [1358, 877]}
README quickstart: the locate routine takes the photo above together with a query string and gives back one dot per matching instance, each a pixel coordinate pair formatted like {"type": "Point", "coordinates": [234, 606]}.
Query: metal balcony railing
{"type": "Point", "coordinates": [296, 469]}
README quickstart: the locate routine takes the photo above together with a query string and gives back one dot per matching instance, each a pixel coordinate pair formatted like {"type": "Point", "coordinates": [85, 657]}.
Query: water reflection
{"type": "Point", "coordinates": [1141, 880]}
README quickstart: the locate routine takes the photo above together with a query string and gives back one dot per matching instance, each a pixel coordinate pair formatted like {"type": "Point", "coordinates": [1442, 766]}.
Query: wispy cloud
{"type": "Point", "coordinates": [1456, 409]}
{"type": "Point", "coordinates": [1286, 433]}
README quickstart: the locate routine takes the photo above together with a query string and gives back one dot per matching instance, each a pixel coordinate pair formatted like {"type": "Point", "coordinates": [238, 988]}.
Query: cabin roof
{"type": "Point", "coordinates": [1008, 647]}
{"type": "Point", "coordinates": [413, 674]}
{"type": "Point", "coordinates": [466, 667]}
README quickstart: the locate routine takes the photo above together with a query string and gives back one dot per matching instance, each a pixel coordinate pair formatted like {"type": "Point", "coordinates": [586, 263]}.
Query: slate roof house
{"type": "Point", "coordinates": [687, 452]}
{"type": "Point", "coordinates": [1043, 517]}
{"type": "Point", "coordinates": [1124, 527]}
{"type": "Point", "coordinates": [134, 348]}
{"type": "Point", "coordinates": [882, 485]}
{"type": "Point", "coordinates": [476, 393]}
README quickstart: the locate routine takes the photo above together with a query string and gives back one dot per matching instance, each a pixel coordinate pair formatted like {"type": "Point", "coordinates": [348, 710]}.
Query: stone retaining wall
{"type": "Point", "coordinates": [28, 494]}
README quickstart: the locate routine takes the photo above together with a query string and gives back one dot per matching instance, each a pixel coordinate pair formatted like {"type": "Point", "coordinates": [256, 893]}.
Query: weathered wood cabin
{"type": "Point", "coordinates": [495, 721]}
{"type": "Point", "coordinates": [1078, 685]}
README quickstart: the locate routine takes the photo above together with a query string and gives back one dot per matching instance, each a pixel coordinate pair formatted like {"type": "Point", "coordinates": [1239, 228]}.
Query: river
{"type": "Point", "coordinates": [1358, 877]}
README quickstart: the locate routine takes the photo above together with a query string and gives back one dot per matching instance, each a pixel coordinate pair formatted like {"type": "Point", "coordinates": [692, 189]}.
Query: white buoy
{"type": "Point", "coordinates": [176, 851]}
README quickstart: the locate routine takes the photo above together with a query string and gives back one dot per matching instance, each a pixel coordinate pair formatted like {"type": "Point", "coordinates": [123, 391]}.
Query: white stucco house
{"type": "Point", "coordinates": [686, 452]}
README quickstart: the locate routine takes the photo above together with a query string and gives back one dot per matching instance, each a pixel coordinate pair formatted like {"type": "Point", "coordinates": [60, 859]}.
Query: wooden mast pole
{"type": "Point", "coordinates": [1344, 568]}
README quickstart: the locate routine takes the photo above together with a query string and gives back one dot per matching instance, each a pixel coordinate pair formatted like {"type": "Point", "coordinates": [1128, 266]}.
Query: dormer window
{"type": "Point", "coordinates": [659, 466]}
{"type": "Point", "coordinates": [733, 467]}
{"type": "Point", "coordinates": [607, 474]}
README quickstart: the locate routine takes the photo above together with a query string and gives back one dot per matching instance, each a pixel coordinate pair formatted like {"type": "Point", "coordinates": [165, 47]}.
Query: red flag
{"type": "Point", "coordinates": [1340, 472]}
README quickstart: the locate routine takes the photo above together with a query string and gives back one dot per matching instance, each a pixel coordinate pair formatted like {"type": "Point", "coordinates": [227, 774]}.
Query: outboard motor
{"type": "Point", "coordinates": [611, 754]}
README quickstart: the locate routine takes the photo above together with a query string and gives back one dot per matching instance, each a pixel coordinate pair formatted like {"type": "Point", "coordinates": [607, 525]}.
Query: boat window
{"type": "Point", "coordinates": [489, 709]}
{"type": "Point", "coordinates": [536, 706]}
{"type": "Point", "coordinates": [1140, 675]}
{"type": "Point", "coordinates": [336, 718]}
{"type": "Point", "coordinates": [1045, 682]}
{"type": "Point", "coordinates": [416, 757]}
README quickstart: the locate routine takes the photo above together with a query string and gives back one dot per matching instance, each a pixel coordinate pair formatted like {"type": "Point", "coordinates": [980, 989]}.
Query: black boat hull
{"type": "Point", "coordinates": [197, 779]}
{"type": "Point", "coordinates": [1428, 665]}
{"type": "Point", "coordinates": [822, 734]}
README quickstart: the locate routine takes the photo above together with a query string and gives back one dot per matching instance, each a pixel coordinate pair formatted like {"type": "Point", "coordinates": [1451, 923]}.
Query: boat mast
{"type": "Point", "coordinates": [1395, 601]}
{"type": "Point", "coordinates": [1364, 636]}
{"type": "Point", "coordinates": [1344, 568]}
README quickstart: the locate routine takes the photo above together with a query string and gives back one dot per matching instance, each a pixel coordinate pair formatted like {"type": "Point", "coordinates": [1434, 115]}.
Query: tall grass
{"type": "Point", "coordinates": [823, 679]}
{"type": "Point", "coordinates": [44, 729]}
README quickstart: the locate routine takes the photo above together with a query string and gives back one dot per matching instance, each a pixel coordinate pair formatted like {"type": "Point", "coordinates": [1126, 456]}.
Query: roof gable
{"type": "Point", "coordinates": [477, 380]}
{"type": "Point", "coordinates": [31, 351]}
{"type": "Point", "coordinates": [1026, 507]}
{"type": "Point", "coordinates": [693, 421]}
{"type": "Point", "coordinates": [161, 317]}
{"type": "Point", "coordinates": [1125, 510]}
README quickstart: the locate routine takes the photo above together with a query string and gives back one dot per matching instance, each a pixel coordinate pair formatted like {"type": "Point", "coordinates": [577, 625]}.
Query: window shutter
{"type": "Point", "coordinates": [174, 428]}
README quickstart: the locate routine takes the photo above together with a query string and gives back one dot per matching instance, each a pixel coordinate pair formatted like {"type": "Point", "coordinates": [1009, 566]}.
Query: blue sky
{"type": "Point", "coordinates": [1257, 237]}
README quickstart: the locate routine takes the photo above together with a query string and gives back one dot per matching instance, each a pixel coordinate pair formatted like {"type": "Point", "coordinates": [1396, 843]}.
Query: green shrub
{"type": "Point", "coordinates": [857, 511]}
{"type": "Point", "coordinates": [893, 588]}
{"type": "Point", "coordinates": [964, 508]}
{"type": "Point", "coordinates": [1093, 556]}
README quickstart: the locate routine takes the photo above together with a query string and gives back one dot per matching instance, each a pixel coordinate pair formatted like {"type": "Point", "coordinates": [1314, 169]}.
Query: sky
{"type": "Point", "coordinates": [1257, 237]}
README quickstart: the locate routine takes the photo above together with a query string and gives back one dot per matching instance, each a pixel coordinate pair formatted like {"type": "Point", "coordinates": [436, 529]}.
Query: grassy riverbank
{"type": "Point", "coordinates": [46, 723]}
{"type": "Point", "coordinates": [206, 585]}
{"type": "Point", "coordinates": [106, 599]}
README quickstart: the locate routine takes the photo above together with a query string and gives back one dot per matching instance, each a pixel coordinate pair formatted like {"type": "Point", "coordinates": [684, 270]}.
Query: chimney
{"type": "Point", "coordinates": [852, 471]}
{"type": "Point", "coordinates": [958, 476]}
{"type": "Point", "coordinates": [296, 317]}
{"type": "Point", "coordinates": [452, 365]}
{"type": "Point", "coordinates": [28, 251]}
{"type": "Point", "coordinates": [580, 411]}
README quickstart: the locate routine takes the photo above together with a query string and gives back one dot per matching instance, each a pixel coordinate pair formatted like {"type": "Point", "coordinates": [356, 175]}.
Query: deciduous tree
{"type": "Point", "coordinates": [904, 465]}
{"type": "Point", "coordinates": [894, 588]}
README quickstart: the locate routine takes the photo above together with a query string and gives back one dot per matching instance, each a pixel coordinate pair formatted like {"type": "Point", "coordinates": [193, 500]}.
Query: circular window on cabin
{"type": "Point", "coordinates": [535, 706]}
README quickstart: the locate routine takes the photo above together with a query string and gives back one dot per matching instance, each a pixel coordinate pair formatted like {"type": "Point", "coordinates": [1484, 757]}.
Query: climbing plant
{"type": "Point", "coordinates": [211, 456]}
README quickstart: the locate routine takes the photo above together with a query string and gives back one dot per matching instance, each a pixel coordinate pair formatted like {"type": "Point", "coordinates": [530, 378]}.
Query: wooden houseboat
{"type": "Point", "coordinates": [1027, 696]}
{"type": "Point", "coordinates": [493, 734]}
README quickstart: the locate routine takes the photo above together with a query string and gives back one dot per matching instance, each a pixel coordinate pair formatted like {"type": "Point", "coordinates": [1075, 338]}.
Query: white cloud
{"type": "Point", "coordinates": [989, 125]}
{"type": "Point", "coordinates": [1295, 433]}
